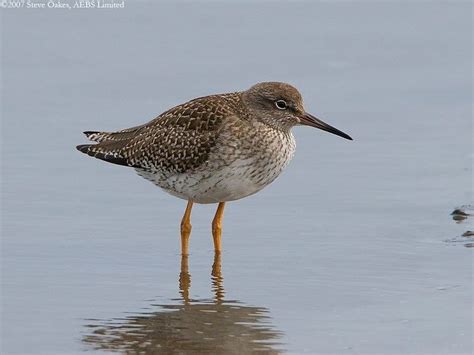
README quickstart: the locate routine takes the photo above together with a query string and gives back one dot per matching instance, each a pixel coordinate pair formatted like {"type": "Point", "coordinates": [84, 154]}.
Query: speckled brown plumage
{"type": "Point", "coordinates": [212, 149]}
{"type": "Point", "coordinates": [178, 140]}
{"type": "Point", "coordinates": [215, 148]}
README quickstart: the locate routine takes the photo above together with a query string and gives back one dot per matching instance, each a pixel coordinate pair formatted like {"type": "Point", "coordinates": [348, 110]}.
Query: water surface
{"type": "Point", "coordinates": [351, 251]}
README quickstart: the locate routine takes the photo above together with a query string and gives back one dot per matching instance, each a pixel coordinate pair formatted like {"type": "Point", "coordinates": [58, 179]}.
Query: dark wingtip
{"type": "Point", "coordinates": [83, 148]}
{"type": "Point", "coordinates": [108, 157]}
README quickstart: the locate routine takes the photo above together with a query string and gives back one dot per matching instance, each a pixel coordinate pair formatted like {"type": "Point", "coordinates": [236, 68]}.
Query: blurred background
{"type": "Point", "coordinates": [352, 250]}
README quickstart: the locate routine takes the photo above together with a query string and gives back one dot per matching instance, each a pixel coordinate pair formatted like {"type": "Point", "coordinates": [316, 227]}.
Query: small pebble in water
{"type": "Point", "coordinates": [461, 213]}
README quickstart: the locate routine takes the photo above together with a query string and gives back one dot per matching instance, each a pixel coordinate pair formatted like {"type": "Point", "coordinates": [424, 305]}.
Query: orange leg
{"type": "Point", "coordinates": [217, 227]}
{"type": "Point", "coordinates": [186, 229]}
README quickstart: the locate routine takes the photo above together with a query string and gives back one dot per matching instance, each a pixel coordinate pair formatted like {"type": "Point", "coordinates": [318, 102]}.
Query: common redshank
{"type": "Point", "coordinates": [212, 149]}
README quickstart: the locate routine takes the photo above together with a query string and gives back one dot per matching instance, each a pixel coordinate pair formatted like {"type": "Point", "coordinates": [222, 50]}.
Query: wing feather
{"type": "Point", "coordinates": [178, 140]}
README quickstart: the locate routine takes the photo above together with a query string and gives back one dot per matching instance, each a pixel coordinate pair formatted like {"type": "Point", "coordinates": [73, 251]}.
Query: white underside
{"type": "Point", "coordinates": [227, 184]}
{"type": "Point", "coordinates": [213, 183]}
{"type": "Point", "coordinates": [230, 189]}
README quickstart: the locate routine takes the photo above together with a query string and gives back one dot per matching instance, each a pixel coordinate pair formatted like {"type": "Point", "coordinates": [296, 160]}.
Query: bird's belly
{"type": "Point", "coordinates": [237, 180]}
{"type": "Point", "coordinates": [229, 183]}
{"type": "Point", "coordinates": [220, 181]}
{"type": "Point", "coordinates": [226, 184]}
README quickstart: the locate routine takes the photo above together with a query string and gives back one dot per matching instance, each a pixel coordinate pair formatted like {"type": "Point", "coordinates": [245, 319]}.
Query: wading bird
{"type": "Point", "coordinates": [212, 149]}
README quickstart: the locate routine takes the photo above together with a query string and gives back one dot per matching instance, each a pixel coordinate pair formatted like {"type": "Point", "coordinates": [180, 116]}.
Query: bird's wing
{"type": "Point", "coordinates": [97, 136]}
{"type": "Point", "coordinates": [178, 140]}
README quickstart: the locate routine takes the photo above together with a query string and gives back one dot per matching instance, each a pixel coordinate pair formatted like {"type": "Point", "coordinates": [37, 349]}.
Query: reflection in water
{"type": "Point", "coordinates": [193, 326]}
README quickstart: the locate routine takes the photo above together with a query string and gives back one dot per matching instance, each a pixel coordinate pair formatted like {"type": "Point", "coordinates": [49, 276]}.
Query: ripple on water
{"type": "Point", "coordinates": [188, 325]}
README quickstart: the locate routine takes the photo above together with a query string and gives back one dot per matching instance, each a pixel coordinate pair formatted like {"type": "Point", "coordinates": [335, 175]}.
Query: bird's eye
{"type": "Point", "coordinates": [281, 104]}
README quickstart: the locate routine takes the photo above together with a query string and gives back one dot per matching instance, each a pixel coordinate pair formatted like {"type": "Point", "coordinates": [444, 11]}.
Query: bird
{"type": "Point", "coordinates": [212, 149]}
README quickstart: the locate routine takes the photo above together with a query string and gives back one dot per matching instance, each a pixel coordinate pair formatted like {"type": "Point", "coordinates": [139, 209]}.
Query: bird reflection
{"type": "Point", "coordinates": [193, 326]}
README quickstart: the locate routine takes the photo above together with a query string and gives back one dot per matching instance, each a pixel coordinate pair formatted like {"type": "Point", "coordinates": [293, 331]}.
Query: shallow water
{"type": "Point", "coordinates": [352, 250]}
{"type": "Point", "coordinates": [193, 325]}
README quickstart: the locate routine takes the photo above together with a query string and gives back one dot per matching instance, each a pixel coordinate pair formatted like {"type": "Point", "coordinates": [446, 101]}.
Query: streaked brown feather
{"type": "Point", "coordinates": [178, 140]}
{"type": "Point", "coordinates": [124, 134]}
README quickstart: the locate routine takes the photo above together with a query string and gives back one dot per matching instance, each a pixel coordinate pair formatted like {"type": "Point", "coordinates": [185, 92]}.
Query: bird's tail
{"type": "Point", "coordinates": [110, 151]}
{"type": "Point", "coordinates": [110, 145]}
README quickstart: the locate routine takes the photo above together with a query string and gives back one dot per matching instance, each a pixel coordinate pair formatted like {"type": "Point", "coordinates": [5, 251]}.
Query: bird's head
{"type": "Point", "coordinates": [280, 105]}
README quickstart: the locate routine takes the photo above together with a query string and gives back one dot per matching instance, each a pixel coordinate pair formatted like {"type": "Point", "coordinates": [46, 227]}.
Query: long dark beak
{"type": "Point", "coordinates": [310, 120]}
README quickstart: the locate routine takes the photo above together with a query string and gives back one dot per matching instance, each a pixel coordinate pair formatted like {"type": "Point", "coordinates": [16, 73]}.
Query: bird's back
{"type": "Point", "coordinates": [177, 141]}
